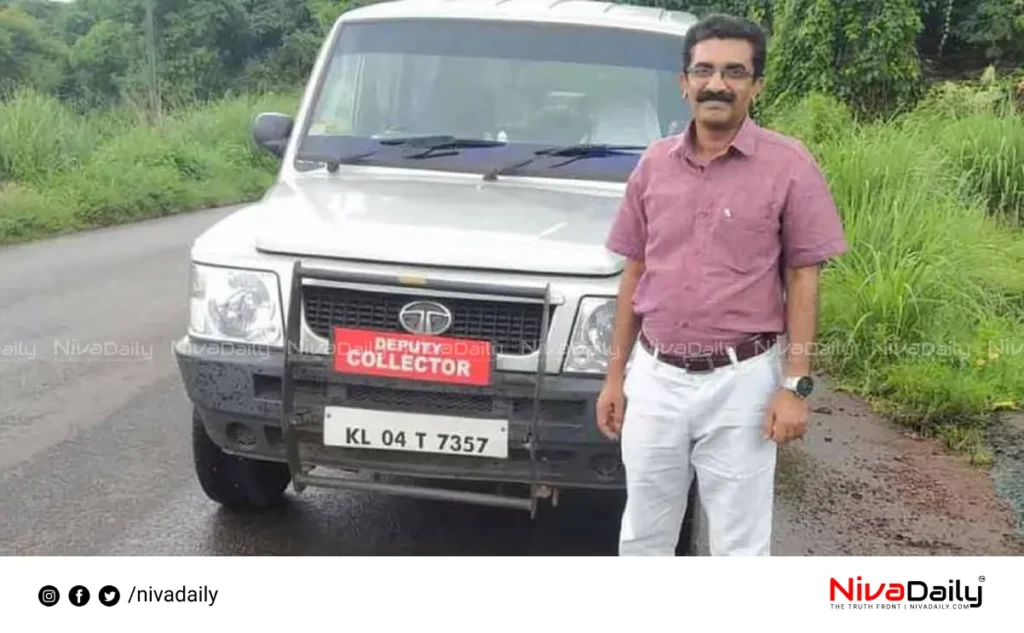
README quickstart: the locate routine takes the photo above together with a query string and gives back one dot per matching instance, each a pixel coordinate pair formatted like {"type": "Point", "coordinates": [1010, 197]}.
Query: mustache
{"type": "Point", "coordinates": [711, 95]}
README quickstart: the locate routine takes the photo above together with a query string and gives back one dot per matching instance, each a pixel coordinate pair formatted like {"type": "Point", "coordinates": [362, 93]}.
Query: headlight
{"type": "Point", "coordinates": [239, 306]}
{"type": "Point", "coordinates": [592, 336]}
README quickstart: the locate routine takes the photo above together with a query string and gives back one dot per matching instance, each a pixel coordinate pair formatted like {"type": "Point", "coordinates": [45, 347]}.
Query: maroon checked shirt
{"type": "Point", "coordinates": [715, 236]}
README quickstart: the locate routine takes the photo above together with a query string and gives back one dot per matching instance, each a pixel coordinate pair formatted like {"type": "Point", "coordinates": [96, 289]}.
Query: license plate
{"type": "Point", "coordinates": [416, 357]}
{"type": "Point", "coordinates": [415, 432]}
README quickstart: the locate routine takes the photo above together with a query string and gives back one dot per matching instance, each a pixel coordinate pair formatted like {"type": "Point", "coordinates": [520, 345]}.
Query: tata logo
{"type": "Point", "coordinates": [425, 317]}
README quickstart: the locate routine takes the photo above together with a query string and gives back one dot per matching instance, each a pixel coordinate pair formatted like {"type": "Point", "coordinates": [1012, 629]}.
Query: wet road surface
{"type": "Point", "coordinates": [95, 454]}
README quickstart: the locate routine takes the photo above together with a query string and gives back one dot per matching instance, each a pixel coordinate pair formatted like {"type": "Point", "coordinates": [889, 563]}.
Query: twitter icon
{"type": "Point", "coordinates": [109, 596]}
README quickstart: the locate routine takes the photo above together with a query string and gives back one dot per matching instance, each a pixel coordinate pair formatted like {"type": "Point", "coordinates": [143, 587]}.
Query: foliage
{"type": "Point", "coordinates": [989, 94]}
{"type": "Point", "coordinates": [757, 10]}
{"type": "Point", "coordinates": [73, 171]}
{"type": "Point", "coordinates": [39, 137]}
{"type": "Point", "coordinates": [862, 51]}
{"type": "Point", "coordinates": [94, 54]}
{"type": "Point", "coordinates": [957, 36]}
{"type": "Point", "coordinates": [817, 120]}
{"type": "Point", "coordinates": [874, 54]}
{"type": "Point", "coordinates": [29, 55]}
{"type": "Point", "coordinates": [965, 35]}
{"type": "Point", "coordinates": [976, 124]}
{"type": "Point", "coordinates": [924, 314]}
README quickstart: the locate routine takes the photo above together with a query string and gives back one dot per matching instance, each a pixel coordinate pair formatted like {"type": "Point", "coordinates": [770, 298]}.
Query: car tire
{"type": "Point", "coordinates": [238, 483]}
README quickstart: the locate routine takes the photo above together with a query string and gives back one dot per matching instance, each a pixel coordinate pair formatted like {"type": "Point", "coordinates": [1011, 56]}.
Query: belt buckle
{"type": "Point", "coordinates": [699, 364]}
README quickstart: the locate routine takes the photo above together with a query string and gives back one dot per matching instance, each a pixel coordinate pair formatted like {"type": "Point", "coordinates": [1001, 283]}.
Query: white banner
{"type": "Point", "coordinates": [513, 594]}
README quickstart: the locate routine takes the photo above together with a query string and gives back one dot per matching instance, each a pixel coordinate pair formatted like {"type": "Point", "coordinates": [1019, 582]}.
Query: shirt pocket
{"type": "Point", "coordinates": [744, 235]}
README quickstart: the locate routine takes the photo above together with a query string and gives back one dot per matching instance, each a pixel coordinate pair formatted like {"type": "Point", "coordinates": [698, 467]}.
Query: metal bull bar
{"type": "Point", "coordinates": [293, 352]}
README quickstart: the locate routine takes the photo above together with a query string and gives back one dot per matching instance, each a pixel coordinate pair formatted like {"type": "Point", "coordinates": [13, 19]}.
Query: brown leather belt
{"type": "Point", "coordinates": [705, 363]}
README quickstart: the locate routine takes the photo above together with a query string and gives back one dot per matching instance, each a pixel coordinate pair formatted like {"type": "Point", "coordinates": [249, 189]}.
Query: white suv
{"type": "Point", "coordinates": [424, 292]}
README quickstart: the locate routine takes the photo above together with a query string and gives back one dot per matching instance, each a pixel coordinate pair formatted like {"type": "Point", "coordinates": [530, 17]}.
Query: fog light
{"type": "Point", "coordinates": [605, 464]}
{"type": "Point", "coordinates": [240, 435]}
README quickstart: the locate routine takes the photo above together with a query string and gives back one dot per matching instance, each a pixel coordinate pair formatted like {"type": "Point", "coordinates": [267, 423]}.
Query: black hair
{"type": "Point", "coordinates": [726, 27]}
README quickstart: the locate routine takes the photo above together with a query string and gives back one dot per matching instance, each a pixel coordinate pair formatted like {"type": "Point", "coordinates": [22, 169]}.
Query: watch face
{"type": "Point", "coordinates": [805, 386]}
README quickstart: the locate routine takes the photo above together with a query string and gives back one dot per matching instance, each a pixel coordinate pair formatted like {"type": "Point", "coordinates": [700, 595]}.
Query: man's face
{"type": "Point", "coordinates": [717, 102]}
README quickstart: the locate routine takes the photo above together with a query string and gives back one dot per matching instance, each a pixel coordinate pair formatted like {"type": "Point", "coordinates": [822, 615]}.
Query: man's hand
{"type": "Point", "coordinates": [611, 403]}
{"type": "Point", "coordinates": [610, 408]}
{"type": "Point", "coordinates": [787, 417]}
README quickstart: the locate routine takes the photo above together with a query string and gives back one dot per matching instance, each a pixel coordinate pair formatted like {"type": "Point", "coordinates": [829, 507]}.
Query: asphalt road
{"type": "Point", "coordinates": [95, 454]}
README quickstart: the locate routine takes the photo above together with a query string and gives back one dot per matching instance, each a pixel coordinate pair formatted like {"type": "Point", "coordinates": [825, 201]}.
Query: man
{"type": "Point", "coordinates": [724, 227]}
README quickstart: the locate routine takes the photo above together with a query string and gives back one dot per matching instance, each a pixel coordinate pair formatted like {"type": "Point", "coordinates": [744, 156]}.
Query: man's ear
{"type": "Point", "coordinates": [758, 87]}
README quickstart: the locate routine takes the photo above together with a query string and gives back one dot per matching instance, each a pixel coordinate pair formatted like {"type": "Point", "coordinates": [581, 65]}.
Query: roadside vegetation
{"type": "Point", "coordinates": [914, 107]}
{"type": "Point", "coordinates": [925, 314]}
{"type": "Point", "coordinates": [68, 171]}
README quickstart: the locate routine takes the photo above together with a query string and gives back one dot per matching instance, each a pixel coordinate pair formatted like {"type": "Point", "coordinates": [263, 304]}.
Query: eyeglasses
{"type": "Point", "coordinates": [729, 73]}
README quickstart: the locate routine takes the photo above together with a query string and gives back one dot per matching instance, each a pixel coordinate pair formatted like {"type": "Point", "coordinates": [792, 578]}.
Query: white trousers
{"type": "Point", "coordinates": [679, 424]}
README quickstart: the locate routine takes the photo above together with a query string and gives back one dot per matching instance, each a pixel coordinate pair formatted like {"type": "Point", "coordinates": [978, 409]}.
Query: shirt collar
{"type": "Point", "coordinates": [745, 141]}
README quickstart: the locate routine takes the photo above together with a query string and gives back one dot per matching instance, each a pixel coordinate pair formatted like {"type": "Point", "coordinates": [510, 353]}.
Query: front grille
{"type": "Point", "coordinates": [555, 411]}
{"type": "Point", "coordinates": [418, 401]}
{"type": "Point", "coordinates": [513, 328]}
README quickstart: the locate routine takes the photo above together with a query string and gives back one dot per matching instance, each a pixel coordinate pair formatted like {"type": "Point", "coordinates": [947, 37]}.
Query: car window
{"type": "Point", "coordinates": [530, 87]}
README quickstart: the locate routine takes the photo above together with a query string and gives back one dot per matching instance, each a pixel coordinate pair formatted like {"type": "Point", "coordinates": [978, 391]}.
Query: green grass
{"type": "Point", "coordinates": [924, 316]}
{"type": "Point", "coordinates": [61, 172]}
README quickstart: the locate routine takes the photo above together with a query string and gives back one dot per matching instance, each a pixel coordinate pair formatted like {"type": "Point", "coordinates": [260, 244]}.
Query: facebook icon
{"type": "Point", "coordinates": [79, 595]}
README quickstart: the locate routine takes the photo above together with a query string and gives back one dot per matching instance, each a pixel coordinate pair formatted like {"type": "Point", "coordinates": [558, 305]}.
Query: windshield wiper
{"type": "Point", "coordinates": [574, 152]}
{"type": "Point", "coordinates": [429, 144]}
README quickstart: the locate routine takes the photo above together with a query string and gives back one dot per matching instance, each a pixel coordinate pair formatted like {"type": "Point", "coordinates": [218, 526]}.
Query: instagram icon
{"type": "Point", "coordinates": [49, 596]}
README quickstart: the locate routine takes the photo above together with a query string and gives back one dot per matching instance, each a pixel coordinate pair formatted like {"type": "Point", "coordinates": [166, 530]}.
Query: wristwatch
{"type": "Point", "coordinates": [802, 386]}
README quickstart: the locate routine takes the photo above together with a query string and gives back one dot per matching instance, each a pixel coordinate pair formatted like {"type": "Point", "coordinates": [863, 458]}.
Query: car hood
{"type": "Point", "coordinates": [504, 225]}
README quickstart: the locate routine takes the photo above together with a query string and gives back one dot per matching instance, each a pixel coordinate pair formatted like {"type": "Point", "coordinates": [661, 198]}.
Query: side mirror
{"type": "Point", "coordinates": [271, 130]}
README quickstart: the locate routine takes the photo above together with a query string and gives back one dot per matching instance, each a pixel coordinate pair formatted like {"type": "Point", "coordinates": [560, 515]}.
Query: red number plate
{"type": "Point", "coordinates": [394, 355]}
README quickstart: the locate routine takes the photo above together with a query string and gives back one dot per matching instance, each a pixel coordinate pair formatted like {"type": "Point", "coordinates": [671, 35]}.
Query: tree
{"type": "Point", "coordinates": [29, 56]}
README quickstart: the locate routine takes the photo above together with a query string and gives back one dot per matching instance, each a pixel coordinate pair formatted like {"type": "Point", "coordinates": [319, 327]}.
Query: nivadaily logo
{"type": "Point", "coordinates": [913, 594]}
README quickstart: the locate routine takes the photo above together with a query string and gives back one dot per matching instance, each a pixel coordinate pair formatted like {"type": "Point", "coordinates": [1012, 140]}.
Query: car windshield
{"type": "Point", "coordinates": [527, 87]}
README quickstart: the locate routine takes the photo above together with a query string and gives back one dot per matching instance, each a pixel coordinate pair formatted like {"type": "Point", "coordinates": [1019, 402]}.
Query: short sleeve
{"type": "Point", "coordinates": [812, 230]}
{"type": "Point", "coordinates": [628, 235]}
